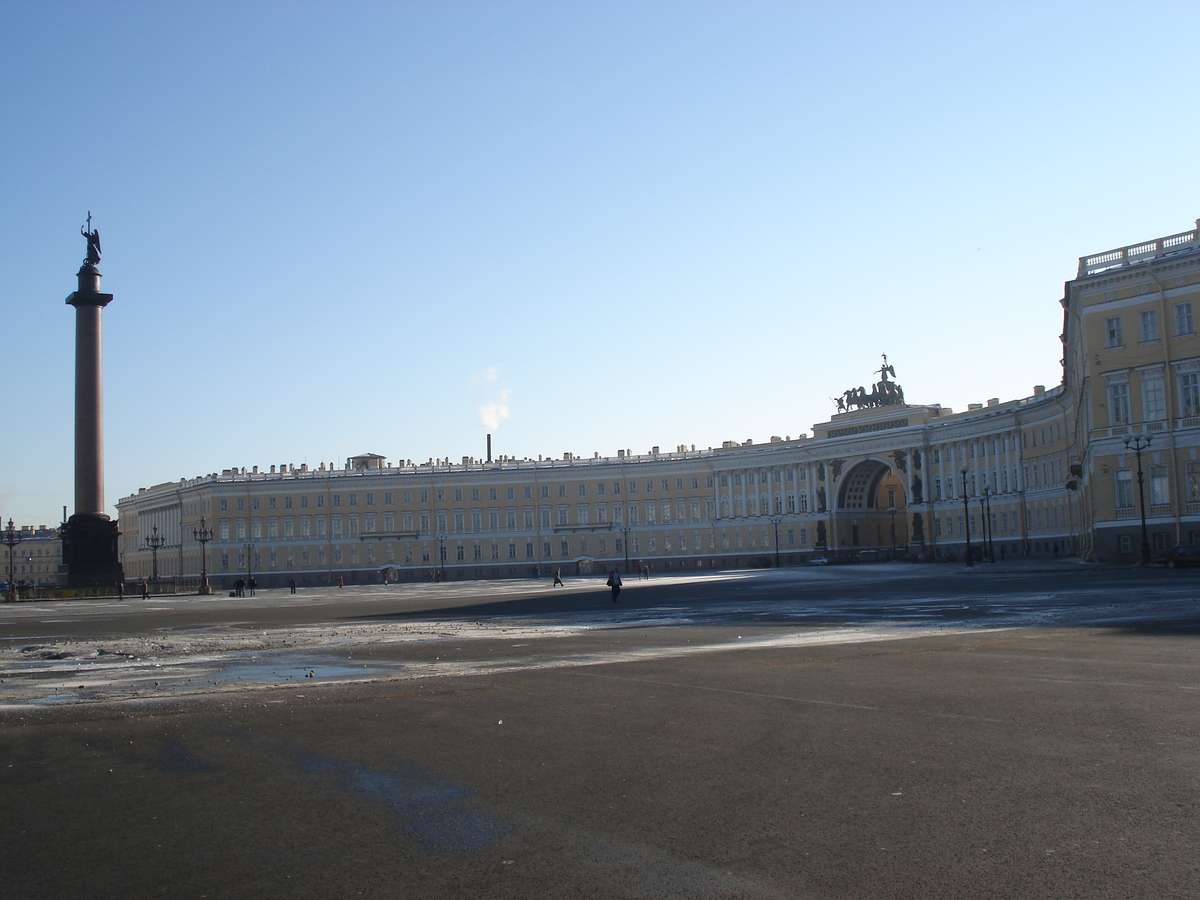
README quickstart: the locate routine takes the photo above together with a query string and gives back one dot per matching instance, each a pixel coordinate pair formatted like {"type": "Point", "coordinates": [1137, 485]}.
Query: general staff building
{"type": "Point", "coordinates": [1058, 472]}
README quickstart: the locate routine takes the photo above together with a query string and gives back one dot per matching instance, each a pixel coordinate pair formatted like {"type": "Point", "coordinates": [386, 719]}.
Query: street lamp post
{"type": "Point", "coordinates": [154, 542]}
{"type": "Point", "coordinates": [249, 548]}
{"type": "Point", "coordinates": [11, 537]}
{"type": "Point", "coordinates": [985, 507]}
{"type": "Point", "coordinates": [441, 539]}
{"type": "Point", "coordinates": [775, 520]}
{"type": "Point", "coordinates": [892, 512]}
{"type": "Point", "coordinates": [625, 532]}
{"type": "Point", "coordinates": [1138, 443]}
{"type": "Point", "coordinates": [203, 535]}
{"type": "Point", "coordinates": [967, 518]}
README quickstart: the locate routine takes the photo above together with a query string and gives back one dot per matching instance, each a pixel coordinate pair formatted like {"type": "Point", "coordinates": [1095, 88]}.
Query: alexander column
{"type": "Point", "coordinates": [89, 537]}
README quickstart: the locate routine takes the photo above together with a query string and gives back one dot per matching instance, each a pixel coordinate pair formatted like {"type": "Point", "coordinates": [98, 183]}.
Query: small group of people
{"type": "Point", "coordinates": [614, 582]}
{"type": "Point", "coordinates": [239, 587]}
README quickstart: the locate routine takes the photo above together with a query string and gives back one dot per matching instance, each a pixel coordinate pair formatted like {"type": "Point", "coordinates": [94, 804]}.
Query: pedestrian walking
{"type": "Point", "coordinates": [557, 578]}
{"type": "Point", "coordinates": [292, 584]}
{"type": "Point", "coordinates": [614, 582]}
{"type": "Point", "coordinates": [145, 590]}
{"type": "Point", "coordinates": [252, 584]}
{"type": "Point", "coordinates": [120, 589]}
{"type": "Point", "coordinates": [341, 581]}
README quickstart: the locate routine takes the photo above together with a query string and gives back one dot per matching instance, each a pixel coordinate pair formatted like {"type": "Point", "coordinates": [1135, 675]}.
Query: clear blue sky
{"type": "Point", "coordinates": [338, 228]}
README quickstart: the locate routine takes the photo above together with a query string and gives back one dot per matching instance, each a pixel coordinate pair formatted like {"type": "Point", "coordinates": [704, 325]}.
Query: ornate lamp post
{"type": "Point", "coordinates": [1138, 443]}
{"type": "Point", "coordinates": [625, 530]}
{"type": "Point", "coordinates": [153, 543]}
{"type": "Point", "coordinates": [985, 508]}
{"type": "Point", "coordinates": [441, 539]}
{"type": "Point", "coordinates": [203, 535]}
{"type": "Point", "coordinates": [775, 520]}
{"type": "Point", "coordinates": [892, 512]}
{"type": "Point", "coordinates": [967, 518]}
{"type": "Point", "coordinates": [249, 563]}
{"type": "Point", "coordinates": [11, 537]}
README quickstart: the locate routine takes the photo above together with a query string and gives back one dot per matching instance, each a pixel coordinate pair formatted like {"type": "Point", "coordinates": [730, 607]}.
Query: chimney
{"type": "Point", "coordinates": [489, 459]}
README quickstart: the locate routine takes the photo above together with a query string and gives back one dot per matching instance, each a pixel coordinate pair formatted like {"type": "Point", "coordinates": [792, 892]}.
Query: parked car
{"type": "Point", "coordinates": [1183, 555]}
{"type": "Point", "coordinates": [818, 561]}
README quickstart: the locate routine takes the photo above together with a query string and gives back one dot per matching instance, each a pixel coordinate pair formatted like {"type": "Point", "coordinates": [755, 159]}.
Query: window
{"type": "Point", "coordinates": [1112, 332]}
{"type": "Point", "coordinates": [370, 501]}
{"type": "Point", "coordinates": [241, 504]}
{"type": "Point", "coordinates": [562, 515]}
{"type": "Point", "coordinates": [1193, 482]}
{"type": "Point", "coordinates": [1189, 394]}
{"type": "Point", "coordinates": [224, 505]}
{"type": "Point", "coordinates": [509, 495]}
{"type": "Point", "coordinates": [545, 490]}
{"type": "Point", "coordinates": [528, 493]}
{"type": "Point", "coordinates": [562, 490]}
{"type": "Point", "coordinates": [583, 490]}
{"type": "Point", "coordinates": [457, 496]}
{"type": "Point", "coordinates": [491, 493]}
{"type": "Point", "coordinates": [1118, 404]}
{"type": "Point", "coordinates": [387, 498]}
{"type": "Point", "coordinates": [254, 503]}
{"type": "Point", "coordinates": [1124, 485]}
{"type": "Point", "coordinates": [223, 534]}
{"type": "Point", "coordinates": [474, 493]}
{"type": "Point", "coordinates": [1148, 323]}
{"type": "Point", "coordinates": [1183, 319]}
{"type": "Point", "coordinates": [1158, 486]}
{"type": "Point", "coordinates": [287, 502]}
{"type": "Point", "coordinates": [1154, 403]}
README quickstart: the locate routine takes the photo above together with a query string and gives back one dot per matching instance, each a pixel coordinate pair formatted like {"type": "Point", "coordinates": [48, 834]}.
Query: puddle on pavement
{"type": "Point", "coordinates": [261, 670]}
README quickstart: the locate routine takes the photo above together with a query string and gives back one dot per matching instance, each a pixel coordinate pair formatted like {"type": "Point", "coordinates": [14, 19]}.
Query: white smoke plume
{"type": "Point", "coordinates": [494, 413]}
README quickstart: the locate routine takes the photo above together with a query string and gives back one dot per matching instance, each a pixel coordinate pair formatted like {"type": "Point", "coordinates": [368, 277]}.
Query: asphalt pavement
{"type": "Point", "coordinates": [858, 732]}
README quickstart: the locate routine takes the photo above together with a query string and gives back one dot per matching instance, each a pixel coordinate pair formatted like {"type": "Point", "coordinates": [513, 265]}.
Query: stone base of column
{"type": "Point", "coordinates": [89, 551]}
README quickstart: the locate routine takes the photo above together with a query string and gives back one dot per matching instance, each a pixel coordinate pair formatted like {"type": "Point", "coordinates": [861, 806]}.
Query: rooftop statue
{"type": "Point", "coordinates": [883, 392]}
{"type": "Point", "coordinates": [93, 242]}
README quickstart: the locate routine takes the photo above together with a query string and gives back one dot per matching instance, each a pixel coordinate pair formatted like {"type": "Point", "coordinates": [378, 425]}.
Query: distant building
{"type": "Point", "coordinates": [1049, 473]}
{"type": "Point", "coordinates": [36, 559]}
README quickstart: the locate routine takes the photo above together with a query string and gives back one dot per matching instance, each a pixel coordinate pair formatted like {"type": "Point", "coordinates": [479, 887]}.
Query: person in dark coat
{"type": "Point", "coordinates": [614, 582]}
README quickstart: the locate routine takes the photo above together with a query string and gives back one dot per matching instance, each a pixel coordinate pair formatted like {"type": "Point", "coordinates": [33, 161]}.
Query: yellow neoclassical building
{"type": "Point", "coordinates": [1048, 474]}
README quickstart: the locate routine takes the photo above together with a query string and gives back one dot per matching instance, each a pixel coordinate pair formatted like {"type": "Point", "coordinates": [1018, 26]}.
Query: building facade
{"type": "Point", "coordinates": [36, 558]}
{"type": "Point", "coordinates": [1048, 474]}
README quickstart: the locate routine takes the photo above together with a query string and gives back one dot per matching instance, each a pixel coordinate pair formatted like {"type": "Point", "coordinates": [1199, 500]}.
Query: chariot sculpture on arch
{"type": "Point", "coordinates": [883, 392]}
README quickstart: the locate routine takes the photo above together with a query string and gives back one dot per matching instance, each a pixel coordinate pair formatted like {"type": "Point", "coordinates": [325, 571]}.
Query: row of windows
{"type": "Point", "coordinates": [584, 545]}
{"type": "Point", "coordinates": [751, 478]}
{"type": "Point", "coordinates": [1002, 523]}
{"type": "Point", "coordinates": [1050, 471]}
{"type": "Point", "coordinates": [1114, 334]}
{"type": "Point", "coordinates": [997, 446]}
{"type": "Point", "coordinates": [1157, 485]}
{"type": "Point", "coordinates": [1153, 396]}
{"type": "Point", "coordinates": [510, 494]}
